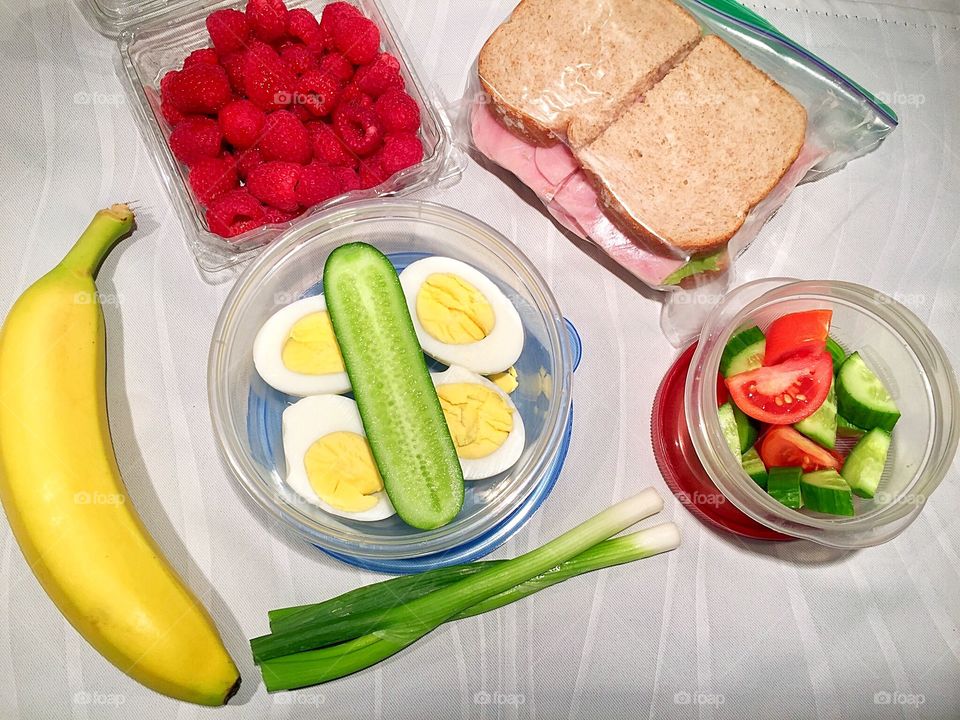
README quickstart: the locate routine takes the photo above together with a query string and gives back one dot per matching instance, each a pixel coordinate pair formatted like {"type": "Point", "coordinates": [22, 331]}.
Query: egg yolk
{"type": "Point", "coordinates": [479, 418]}
{"type": "Point", "coordinates": [311, 347]}
{"type": "Point", "coordinates": [453, 311]}
{"type": "Point", "coordinates": [342, 471]}
{"type": "Point", "coordinates": [506, 380]}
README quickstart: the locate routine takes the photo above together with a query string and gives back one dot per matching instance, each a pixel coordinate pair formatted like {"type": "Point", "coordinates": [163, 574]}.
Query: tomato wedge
{"type": "Point", "coordinates": [785, 393]}
{"type": "Point", "coordinates": [797, 332]}
{"type": "Point", "coordinates": [785, 447]}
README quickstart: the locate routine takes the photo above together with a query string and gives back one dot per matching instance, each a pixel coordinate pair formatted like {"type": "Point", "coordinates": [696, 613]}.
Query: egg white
{"type": "Point", "coordinates": [494, 353]}
{"type": "Point", "coordinates": [505, 456]}
{"type": "Point", "coordinates": [268, 358]}
{"type": "Point", "coordinates": [305, 422]}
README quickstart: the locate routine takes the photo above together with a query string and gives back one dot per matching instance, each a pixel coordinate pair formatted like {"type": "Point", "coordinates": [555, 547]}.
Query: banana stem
{"type": "Point", "coordinates": [104, 231]}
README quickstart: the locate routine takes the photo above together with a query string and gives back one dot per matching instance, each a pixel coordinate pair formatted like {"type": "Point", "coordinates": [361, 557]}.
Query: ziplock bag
{"type": "Point", "coordinates": [843, 122]}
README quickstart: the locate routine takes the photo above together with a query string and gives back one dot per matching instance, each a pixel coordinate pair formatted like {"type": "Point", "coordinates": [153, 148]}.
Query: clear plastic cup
{"type": "Point", "coordinates": [246, 412]}
{"type": "Point", "coordinates": [896, 346]}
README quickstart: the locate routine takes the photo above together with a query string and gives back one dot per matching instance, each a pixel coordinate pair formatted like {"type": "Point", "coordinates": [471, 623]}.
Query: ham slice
{"type": "Point", "coordinates": [578, 198]}
{"type": "Point", "coordinates": [555, 176]}
{"type": "Point", "coordinates": [508, 151]}
{"type": "Point", "coordinates": [555, 163]}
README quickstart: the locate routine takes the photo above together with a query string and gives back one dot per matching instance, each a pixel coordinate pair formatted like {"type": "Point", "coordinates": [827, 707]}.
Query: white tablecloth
{"type": "Point", "coordinates": [721, 628]}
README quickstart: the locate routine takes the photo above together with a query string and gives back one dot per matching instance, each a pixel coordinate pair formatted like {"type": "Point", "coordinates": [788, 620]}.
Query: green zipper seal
{"type": "Point", "coordinates": [748, 16]}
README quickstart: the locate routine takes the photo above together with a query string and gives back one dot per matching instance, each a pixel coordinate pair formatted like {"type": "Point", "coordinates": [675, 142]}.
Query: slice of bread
{"type": "Point", "coordinates": [559, 67]}
{"type": "Point", "coordinates": [685, 164]}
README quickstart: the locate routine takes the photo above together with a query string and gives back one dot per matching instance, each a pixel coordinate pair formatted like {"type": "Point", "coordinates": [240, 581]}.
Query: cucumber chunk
{"type": "Point", "coordinates": [821, 427]}
{"type": "Point", "coordinates": [864, 465]}
{"type": "Point", "coordinates": [754, 467]}
{"type": "Point", "coordinates": [826, 492]}
{"type": "Point", "coordinates": [728, 426]}
{"type": "Point", "coordinates": [862, 397]}
{"type": "Point", "coordinates": [398, 403]}
{"type": "Point", "coordinates": [746, 430]}
{"type": "Point", "coordinates": [783, 485]}
{"type": "Point", "coordinates": [744, 351]}
{"type": "Point", "coordinates": [837, 354]}
{"type": "Point", "coordinates": [847, 429]}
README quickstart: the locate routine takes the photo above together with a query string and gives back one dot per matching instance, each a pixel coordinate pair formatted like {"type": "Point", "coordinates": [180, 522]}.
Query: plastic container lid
{"type": "Point", "coordinates": [110, 17]}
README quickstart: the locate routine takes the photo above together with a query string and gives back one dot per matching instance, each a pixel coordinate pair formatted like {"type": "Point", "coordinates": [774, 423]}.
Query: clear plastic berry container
{"type": "Point", "coordinates": [699, 467]}
{"type": "Point", "coordinates": [246, 412]}
{"type": "Point", "coordinates": [155, 36]}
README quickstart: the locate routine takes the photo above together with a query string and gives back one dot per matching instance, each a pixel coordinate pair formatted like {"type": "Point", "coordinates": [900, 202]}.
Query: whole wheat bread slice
{"type": "Point", "coordinates": [563, 69]}
{"type": "Point", "coordinates": [685, 165]}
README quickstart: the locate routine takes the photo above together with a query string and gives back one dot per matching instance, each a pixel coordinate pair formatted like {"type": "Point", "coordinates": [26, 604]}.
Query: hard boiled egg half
{"type": "Point", "coordinates": [297, 353]}
{"type": "Point", "coordinates": [460, 316]}
{"type": "Point", "coordinates": [329, 463]}
{"type": "Point", "coordinates": [486, 428]}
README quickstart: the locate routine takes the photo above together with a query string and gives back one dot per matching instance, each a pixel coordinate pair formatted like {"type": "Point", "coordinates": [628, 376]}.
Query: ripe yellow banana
{"type": "Point", "coordinates": [64, 496]}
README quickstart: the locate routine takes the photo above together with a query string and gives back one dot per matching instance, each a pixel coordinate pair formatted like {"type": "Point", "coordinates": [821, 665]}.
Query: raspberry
{"type": "Point", "coordinates": [371, 174]}
{"type": "Point", "coordinates": [199, 88]}
{"type": "Point", "coordinates": [379, 76]}
{"type": "Point", "coordinates": [232, 64]}
{"type": "Point", "coordinates": [358, 38]}
{"type": "Point", "coordinates": [170, 113]}
{"type": "Point", "coordinates": [354, 95]}
{"type": "Point", "coordinates": [285, 138]}
{"type": "Point", "coordinates": [317, 183]}
{"type": "Point", "coordinates": [329, 148]}
{"type": "Point", "coordinates": [203, 55]}
{"type": "Point", "coordinates": [303, 115]}
{"type": "Point", "coordinates": [337, 65]}
{"type": "Point", "coordinates": [267, 19]}
{"type": "Point", "coordinates": [399, 152]}
{"type": "Point", "coordinates": [298, 58]}
{"type": "Point", "coordinates": [194, 138]}
{"type": "Point", "coordinates": [302, 25]}
{"type": "Point", "coordinates": [166, 81]}
{"type": "Point", "coordinates": [268, 82]}
{"type": "Point", "coordinates": [228, 30]}
{"type": "Point", "coordinates": [241, 123]}
{"type": "Point", "coordinates": [247, 161]}
{"type": "Point", "coordinates": [275, 183]}
{"type": "Point", "coordinates": [398, 112]}
{"type": "Point", "coordinates": [272, 215]}
{"type": "Point", "coordinates": [334, 13]}
{"type": "Point", "coordinates": [318, 92]}
{"type": "Point", "coordinates": [348, 179]}
{"type": "Point", "coordinates": [358, 127]}
{"type": "Point", "coordinates": [234, 213]}
{"type": "Point", "coordinates": [212, 177]}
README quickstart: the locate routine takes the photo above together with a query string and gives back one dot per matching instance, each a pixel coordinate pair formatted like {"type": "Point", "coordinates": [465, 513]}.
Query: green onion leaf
{"type": "Point", "coordinates": [304, 654]}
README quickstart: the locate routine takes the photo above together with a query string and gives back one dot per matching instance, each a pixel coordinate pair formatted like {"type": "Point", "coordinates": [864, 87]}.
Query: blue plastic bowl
{"type": "Point", "coordinates": [247, 412]}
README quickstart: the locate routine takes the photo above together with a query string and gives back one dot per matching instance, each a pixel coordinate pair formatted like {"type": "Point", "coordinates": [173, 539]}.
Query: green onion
{"type": "Point", "coordinates": [292, 660]}
{"type": "Point", "coordinates": [395, 591]}
{"type": "Point", "coordinates": [617, 551]}
{"type": "Point", "coordinates": [381, 595]}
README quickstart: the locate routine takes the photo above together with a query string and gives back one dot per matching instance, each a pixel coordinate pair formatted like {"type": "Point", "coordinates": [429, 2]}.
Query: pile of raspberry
{"type": "Point", "coordinates": [285, 112]}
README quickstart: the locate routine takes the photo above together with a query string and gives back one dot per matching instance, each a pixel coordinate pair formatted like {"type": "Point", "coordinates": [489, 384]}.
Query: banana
{"type": "Point", "coordinates": [64, 496]}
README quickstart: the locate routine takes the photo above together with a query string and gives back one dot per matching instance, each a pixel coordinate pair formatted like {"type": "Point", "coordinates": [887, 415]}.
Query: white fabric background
{"type": "Point", "coordinates": [740, 629]}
